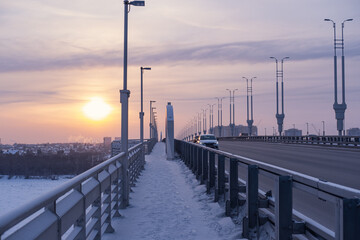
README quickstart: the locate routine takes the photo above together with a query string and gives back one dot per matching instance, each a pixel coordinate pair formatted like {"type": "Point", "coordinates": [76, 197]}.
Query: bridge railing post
{"type": "Point", "coordinates": [205, 165]}
{"type": "Point", "coordinates": [199, 164]}
{"type": "Point", "coordinates": [211, 172]}
{"type": "Point", "coordinates": [124, 182]}
{"type": "Point", "coordinates": [117, 189]}
{"type": "Point", "coordinates": [349, 219]}
{"type": "Point", "coordinates": [189, 155]}
{"type": "Point", "coordinates": [252, 186]}
{"type": "Point", "coordinates": [197, 150]}
{"type": "Point", "coordinates": [234, 185]}
{"type": "Point", "coordinates": [220, 188]}
{"type": "Point", "coordinates": [283, 208]}
{"type": "Point", "coordinates": [192, 157]}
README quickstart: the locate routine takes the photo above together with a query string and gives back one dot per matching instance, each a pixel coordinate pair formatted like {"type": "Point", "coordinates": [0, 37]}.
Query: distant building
{"type": "Point", "coordinates": [115, 147]}
{"type": "Point", "coordinates": [107, 143]}
{"type": "Point", "coordinates": [117, 139]}
{"type": "Point", "coordinates": [353, 132]}
{"type": "Point", "coordinates": [293, 132]}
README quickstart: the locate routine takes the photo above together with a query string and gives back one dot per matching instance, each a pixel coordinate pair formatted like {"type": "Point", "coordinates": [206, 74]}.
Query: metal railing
{"type": "Point", "coordinates": [81, 208]}
{"type": "Point", "coordinates": [220, 172]}
{"type": "Point", "coordinates": [343, 141]}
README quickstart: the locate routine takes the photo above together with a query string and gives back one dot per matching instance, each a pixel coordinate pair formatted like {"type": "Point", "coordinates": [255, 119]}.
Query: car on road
{"type": "Point", "coordinates": [208, 140]}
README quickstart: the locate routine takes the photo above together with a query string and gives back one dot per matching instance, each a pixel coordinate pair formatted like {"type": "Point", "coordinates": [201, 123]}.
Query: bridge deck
{"type": "Point", "coordinates": [168, 203]}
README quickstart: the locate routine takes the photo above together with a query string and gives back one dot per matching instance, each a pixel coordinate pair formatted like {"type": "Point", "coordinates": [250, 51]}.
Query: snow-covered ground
{"type": "Point", "coordinates": [168, 203]}
{"type": "Point", "coordinates": [17, 191]}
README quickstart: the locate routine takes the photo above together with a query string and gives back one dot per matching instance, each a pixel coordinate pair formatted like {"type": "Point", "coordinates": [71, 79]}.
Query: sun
{"type": "Point", "coordinates": [97, 109]}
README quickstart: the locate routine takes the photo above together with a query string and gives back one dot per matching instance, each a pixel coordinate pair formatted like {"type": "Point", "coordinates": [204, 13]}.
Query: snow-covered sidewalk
{"type": "Point", "coordinates": [168, 203]}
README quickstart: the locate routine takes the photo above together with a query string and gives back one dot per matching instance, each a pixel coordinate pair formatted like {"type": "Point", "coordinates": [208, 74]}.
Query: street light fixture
{"type": "Point", "coordinates": [280, 74]}
{"type": "Point", "coordinates": [124, 99]}
{"type": "Point", "coordinates": [339, 108]}
{"type": "Point", "coordinates": [137, 3]}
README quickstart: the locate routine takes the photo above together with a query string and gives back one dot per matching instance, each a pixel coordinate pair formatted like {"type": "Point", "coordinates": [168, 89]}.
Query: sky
{"type": "Point", "coordinates": [55, 56]}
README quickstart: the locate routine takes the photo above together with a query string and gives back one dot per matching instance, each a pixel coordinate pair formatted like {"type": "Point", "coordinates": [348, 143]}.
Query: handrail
{"type": "Point", "coordinates": [34, 205]}
{"type": "Point", "coordinates": [343, 141]}
{"type": "Point", "coordinates": [201, 160]}
{"type": "Point", "coordinates": [105, 174]}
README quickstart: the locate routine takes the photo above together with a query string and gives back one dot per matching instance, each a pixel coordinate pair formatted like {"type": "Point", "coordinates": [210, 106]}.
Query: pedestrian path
{"type": "Point", "coordinates": [168, 203]}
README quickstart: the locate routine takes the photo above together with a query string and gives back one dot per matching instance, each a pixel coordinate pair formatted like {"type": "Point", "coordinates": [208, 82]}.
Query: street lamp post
{"type": "Point", "coordinates": [230, 105]}
{"type": "Point", "coordinates": [124, 99]}
{"type": "Point", "coordinates": [219, 113]}
{"type": "Point", "coordinates": [199, 123]}
{"type": "Point", "coordinates": [211, 118]}
{"type": "Point", "coordinates": [339, 108]}
{"type": "Point", "coordinates": [249, 121]}
{"type": "Point", "coordinates": [141, 114]}
{"type": "Point", "coordinates": [307, 129]}
{"type": "Point", "coordinates": [323, 122]}
{"type": "Point", "coordinates": [232, 101]}
{"type": "Point", "coordinates": [150, 120]}
{"type": "Point", "coordinates": [204, 120]}
{"type": "Point", "coordinates": [280, 74]}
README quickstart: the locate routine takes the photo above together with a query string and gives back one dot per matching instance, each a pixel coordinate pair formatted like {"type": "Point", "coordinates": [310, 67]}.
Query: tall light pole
{"type": "Point", "coordinates": [250, 120]}
{"type": "Point", "coordinates": [234, 111]}
{"type": "Point", "coordinates": [124, 99]}
{"type": "Point", "coordinates": [211, 118]}
{"type": "Point", "coordinates": [219, 114]}
{"type": "Point", "coordinates": [307, 129]}
{"type": "Point", "coordinates": [339, 108]}
{"type": "Point", "coordinates": [280, 74]}
{"type": "Point", "coordinates": [199, 123]}
{"type": "Point", "coordinates": [150, 121]}
{"type": "Point", "coordinates": [232, 124]}
{"type": "Point", "coordinates": [204, 120]}
{"type": "Point", "coordinates": [230, 105]}
{"type": "Point", "coordinates": [323, 122]}
{"type": "Point", "coordinates": [141, 114]}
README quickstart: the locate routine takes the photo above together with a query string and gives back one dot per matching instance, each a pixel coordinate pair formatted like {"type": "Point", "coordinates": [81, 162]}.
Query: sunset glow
{"type": "Point", "coordinates": [97, 109]}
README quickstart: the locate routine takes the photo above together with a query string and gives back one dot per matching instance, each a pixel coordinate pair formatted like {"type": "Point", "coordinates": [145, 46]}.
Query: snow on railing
{"type": "Point", "coordinates": [220, 172]}
{"type": "Point", "coordinates": [81, 208]}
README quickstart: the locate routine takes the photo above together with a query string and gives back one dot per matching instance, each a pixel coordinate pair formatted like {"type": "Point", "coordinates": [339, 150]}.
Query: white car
{"type": "Point", "coordinates": [209, 140]}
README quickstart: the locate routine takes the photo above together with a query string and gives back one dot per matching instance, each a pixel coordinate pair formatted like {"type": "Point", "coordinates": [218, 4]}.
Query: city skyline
{"type": "Point", "coordinates": [55, 57]}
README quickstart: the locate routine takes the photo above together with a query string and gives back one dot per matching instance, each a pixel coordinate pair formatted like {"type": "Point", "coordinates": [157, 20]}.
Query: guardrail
{"type": "Point", "coordinates": [347, 141]}
{"type": "Point", "coordinates": [81, 208]}
{"type": "Point", "coordinates": [219, 170]}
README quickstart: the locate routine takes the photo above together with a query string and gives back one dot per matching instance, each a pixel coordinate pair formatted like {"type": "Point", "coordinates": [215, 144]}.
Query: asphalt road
{"type": "Point", "coordinates": [338, 165]}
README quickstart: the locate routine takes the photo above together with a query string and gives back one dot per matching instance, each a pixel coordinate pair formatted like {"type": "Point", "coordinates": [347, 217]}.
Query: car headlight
{"type": "Point", "coordinates": [216, 144]}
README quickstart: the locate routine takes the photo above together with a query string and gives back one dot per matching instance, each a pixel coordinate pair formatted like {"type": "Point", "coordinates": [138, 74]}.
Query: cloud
{"type": "Point", "coordinates": [217, 54]}
{"type": "Point", "coordinates": [19, 96]}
